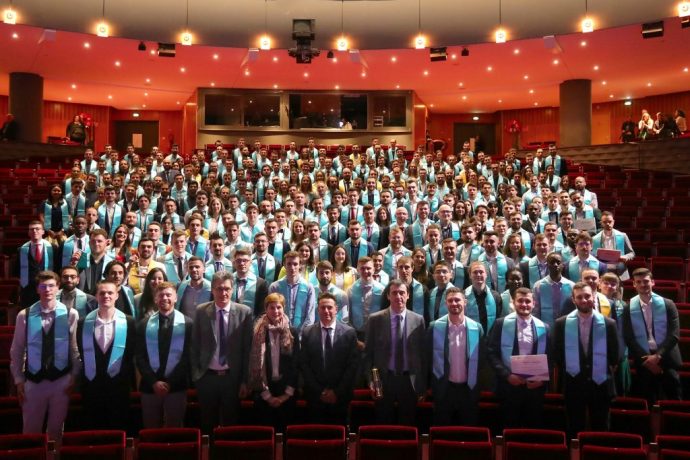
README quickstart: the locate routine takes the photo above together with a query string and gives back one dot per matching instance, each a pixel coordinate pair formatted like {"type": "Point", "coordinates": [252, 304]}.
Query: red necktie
{"type": "Point", "coordinates": [38, 256]}
{"type": "Point", "coordinates": [353, 213]}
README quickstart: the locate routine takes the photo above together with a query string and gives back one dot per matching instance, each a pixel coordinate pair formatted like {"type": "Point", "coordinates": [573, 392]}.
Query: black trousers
{"type": "Point", "coordinates": [520, 406]}
{"type": "Point", "coordinates": [582, 397]}
{"type": "Point", "coordinates": [396, 388]}
{"type": "Point", "coordinates": [655, 387]}
{"type": "Point", "coordinates": [219, 402]}
{"type": "Point", "coordinates": [458, 406]}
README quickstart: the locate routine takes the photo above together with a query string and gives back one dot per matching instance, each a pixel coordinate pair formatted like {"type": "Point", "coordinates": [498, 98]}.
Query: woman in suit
{"type": "Point", "coordinates": [274, 381]}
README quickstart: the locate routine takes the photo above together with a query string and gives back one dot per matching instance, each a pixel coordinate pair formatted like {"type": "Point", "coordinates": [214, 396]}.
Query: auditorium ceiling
{"type": "Point", "coordinates": [523, 72]}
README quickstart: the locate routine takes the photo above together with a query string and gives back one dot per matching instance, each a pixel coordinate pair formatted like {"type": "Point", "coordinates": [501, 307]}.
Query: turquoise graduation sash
{"type": "Point", "coordinates": [205, 295]}
{"type": "Point", "coordinates": [546, 299]}
{"type": "Point", "coordinates": [249, 294]}
{"type": "Point", "coordinates": [417, 237]}
{"type": "Point", "coordinates": [508, 337]}
{"type": "Point", "coordinates": [443, 307]}
{"type": "Point", "coordinates": [176, 342]}
{"type": "Point", "coordinates": [277, 252]}
{"type": "Point", "coordinates": [269, 269]}
{"type": "Point", "coordinates": [533, 268]}
{"type": "Point", "coordinates": [526, 241]}
{"type": "Point", "coordinates": [618, 237]}
{"type": "Point", "coordinates": [117, 218]}
{"type": "Point", "coordinates": [574, 266]}
{"type": "Point", "coordinates": [458, 276]}
{"type": "Point", "coordinates": [68, 250]}
{"type": "Point", "coordinates": [47, 260]}
{"type": "Point", "coordinates": [48, 215]}
{"type": "Point", "coordinates": [658, 320]}
{"type": "Point", "coordinates": [361, 252]}
{"type": "Point", "coordinates": [439, 256]}
{"type": "Point", "coordinates": [475, 252]}
{"type": "Point", "coordinates": [34, 338]}
{"type": "Point", "coordinates": [501, 268]}
{"type": "Point", "coordinates": [417, 297]}
{"type": "Point", "coordinates": [356, 299]}
{"type": "Point", "coordinates": [472, 309]}
{"type": "Point", "coordinates": [79, 302]}
{"type": "Point", "coordinates": [572, 346]}
{"type": "Point", "coordinates": [388, 258]}
{"type": "Point", "coordinates": [296, 310]}
{"type": "Point", "coordinates": [440, 343]}
{"type": "Point", "coordinates": [118, 345]}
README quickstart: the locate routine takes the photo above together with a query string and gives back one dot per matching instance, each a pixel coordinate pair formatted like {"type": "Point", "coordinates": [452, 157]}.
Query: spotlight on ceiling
{"type": "Point", "coordinates": [142, 46]}
{"type": "Point", "coordinates": [653, 29]}
{"type": "Point", "coordinates": [465, 52]}
{"type": "Point", "coordinates": [330, 54]}
{"type": "Point", "coordinates": [438, 54]}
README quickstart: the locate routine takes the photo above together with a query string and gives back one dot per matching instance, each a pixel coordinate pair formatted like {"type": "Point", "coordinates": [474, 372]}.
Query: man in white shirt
{"type": "Point", "coordinates": [106, 339]}
{"type": "Point", "coordinates": [44, 359]}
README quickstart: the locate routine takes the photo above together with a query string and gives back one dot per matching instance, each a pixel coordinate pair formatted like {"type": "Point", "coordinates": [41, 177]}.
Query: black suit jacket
{"type": "Point", "coordinates": [577, 383]}
{"type": "Point", "coordinates": [340, 373]}
{"type": "Point", "coordinates": [103, 384]}
{"type": "Point", "coordinates": [494, 348]}
{"type": "Point", "coordinates": [261, 293]}
{"type": "Point", "coordinates": [288, 365]}
{"type": "Point", "coordinates": [668, 349]}
{"type": "Point", "coordinates": [179, 377]}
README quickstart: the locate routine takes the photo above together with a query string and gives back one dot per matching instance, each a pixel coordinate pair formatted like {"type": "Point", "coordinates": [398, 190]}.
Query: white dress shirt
{"type": "Point", "coordinates": [104, 333]}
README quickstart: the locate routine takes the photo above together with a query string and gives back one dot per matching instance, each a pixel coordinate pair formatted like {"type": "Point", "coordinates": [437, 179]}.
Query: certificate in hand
{"type": "Point", "coordinates": [530, 367]}
{"type": "Point", "coordinates": [610, 256]}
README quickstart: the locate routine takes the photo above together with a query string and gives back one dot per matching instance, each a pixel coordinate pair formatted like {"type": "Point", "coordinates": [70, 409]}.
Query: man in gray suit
{"type": "Point", "coordinates": [221, 339]}
{"type": "Point", "coordinates": [394, 344]}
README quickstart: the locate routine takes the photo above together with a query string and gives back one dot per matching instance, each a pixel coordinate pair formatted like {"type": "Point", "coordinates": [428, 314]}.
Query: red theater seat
{"type": "Point", "coordinates": [246, 442]}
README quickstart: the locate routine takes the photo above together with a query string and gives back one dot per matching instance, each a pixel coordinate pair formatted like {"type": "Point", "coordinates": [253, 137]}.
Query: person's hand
{"type": "Point", "coordinates": [20, 393]}
{"type": "Point", "coordinates": [244, 391]}
{"type": "Point", "coordinates": [273, 402]}
{"type": "Point", "coordinates": [161, 388]}
{"type": "Point", "coordinates": [70, 385]}
{"type": "Point", "coordinates": [360, 345]}
{"type": "Point", "coordinates": [516, 380]}
{"type": "Point", "coordinates": [328, 397]}
{"type": "Point", "coordinates": [532, 384]}
{"type": "Point", "coordinates": [652, 364]}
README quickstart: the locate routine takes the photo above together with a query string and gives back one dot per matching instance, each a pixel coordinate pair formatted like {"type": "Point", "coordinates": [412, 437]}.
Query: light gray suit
{"type": "Point", "coordinates": [403, 388]}
{"type": "Point", "coordinates": [218, 391]}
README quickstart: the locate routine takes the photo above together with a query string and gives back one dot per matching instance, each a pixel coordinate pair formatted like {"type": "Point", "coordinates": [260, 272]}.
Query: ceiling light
{"type": "Point", "coordinates": [306, 74]}
{"type": "Point", "coordinates": [394, 59]}
{"type": "Point", "coordinates": [135, 114]}
{"type": "Point", "coordinates": [531, 91]}
{"type": "Point", "coordinates": [489, 69]}
{"type": "Point", "coordinates": [500, 101]}
{"type": "Point", "coordinates": [110, 96]}
{"type": "Point", "coordinates": [213, 83]}
{"type": "Point", "coordinates": [9, 16]}
{"type": "Point", "coordinates": [335, 59]}
{"type": "Point", "coordinates": [685, 69]}
{"type": "Point", "coordinates": [342, 44]}
{"type": "Point", "coordinates": [536, 104]}
{"type": "Point", "coordinates": [475, 118]}
{"type": "Point", "coordinates": [15, 35]}
{"type": "Point", "coordinates": [649, 83]}
{"type": "Point", "coordinates": [627, 103]}
{"type": "Point", "coordinates": [555, 62]}
{"type": "Point", "coordinates": [464, 98]}
{"type": "Point", "coordinates": [143, 105]}
{"type": "Point", "coordinates": [587, 25]}
{"type": "Point", "coordinates": [420, 42]}
{"type": "Point", "coordinates": [501, 35]}
{"type": "Point", "coordinates": [148, 80]}
{"type": "Point", "coordinates": [603, 82]}
{"type": "Point", "coordinates": [596, 67]}
{"type": "Point", "coordinates": [526, 77]}
{"type": "Point", "coordinates": [275, 58]}
{"type": "Point", "coordinates": [177, 102]}
{"type": "Point", "coordinates": [183, 70]}
{"type": "Point", "coordinates": [364, 74]}
{"type": "Point", "coordinates": [420, 39]}
{"type": "Point", "coordinates": [74, 86]}
{"type": "Point", "coordinates": [610, 96]}
{"type": "Point", "coordinates": [186, 38]}
{"type": "Point", "coordinates": [215, 56]}
{"type": "Point", "coordinates": [431, 105]}
{"type": "Point", "coordinates": [465, 52]}
{"type": "Point", "coordinates": [265, 43]}
{"type": "Point", "coordinates": [426, 73]}
{"type": "Point", "coordinates": [453, 56]}
{"type": "Point", "coordinates": [146, 94]}
{"type": "Point", "coordinates": [275, 86]}
{"type": "Point", "coordinates": [516, 51]}
{"type": "Point", "coordinates": [683, 9]}
{"type": "Point", "coordinates": [397, 86]}
{"type": "Point", "coordinates": [153, 52]}
{"type": "Point", "coordinates": [337, 86]}
{"type": "Point", "coordinates": [583, 43]}
{"type": "Point", "coordinates": [461, 84]}
{"type": "Point", "coordinates": [102, 29]}
{"type": "Point", "coordinates": [117, 63]}
{"type": "Point", "coordinates": [69, 98]}
{"type": "Point", "coordinates": [142, 46]}
{"type": "Point", "coordinates": [87, 45]}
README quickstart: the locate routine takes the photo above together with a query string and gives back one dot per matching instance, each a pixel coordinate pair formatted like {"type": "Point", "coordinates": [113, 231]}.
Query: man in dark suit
{"type": "Point", "coordinates": [454, 347]}
{"type": "Point", "coordinates": [248, 289]}
{"type": "Point", "coordinates": [162, 357]}
{"type": "Point", "coordinates": [106, 340]}
{"type": "Point", "coordinates": [221, 340]}
{"type": "Point", "coordinates": [329, 361]}
{"type": "Point", "coordinates": [519, 333]}
{"type": "Point", "coordinates": [394, 346]}
{"type": "Point", "coordinates": [651, 332]}
{"type": "Point", "coordinates": [586, 348]}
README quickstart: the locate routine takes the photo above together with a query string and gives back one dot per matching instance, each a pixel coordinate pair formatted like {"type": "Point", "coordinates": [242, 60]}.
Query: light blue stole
{"type": "Point", "coordinates": [417, 297]}
{"type": "Point", "coordinates": [118, 345]}
{"type": "Point", "coordinates": [574, 266]}
{"type": "Point", "coordinates": [361, 252]}
{"type": "Point", "coordinates": [526, 240]}
{"type": "Point", "coordinates": [458, 276]}
{"type": "Point", "coordinates": [68, 250]}
{"type": "Point", "coordinates": [472, 309]}
{"type": "Point", "coordinates": [388, 258]}
{"type": "Point", "coordinates": [475, 252]}
{"type": "Point", "coordinates": [356, 299]}
{"type": "Point", "coordinates": [47, 260]}
{"type": "Point", "coordinates": [48, 215]}
{"type": "Point", "coordinates": [546, 313]}
{"type": "Point", "coordinates": [572, 346]}
{"type": "Point", "coordinates": [440, 343]}
{"type": "Point", "coordinates": [249, 294]}
{"type": "Point", "coordinates": [508, 337]}
{"type": "Point", "coordinates": [201, 246]}
{"type": "Point", "coordinates": [277, 251]}
{"type": "Point", "coordinates": [34, 338]}
{"type": "Point", "coordinates": [417, 237]}
{"type": "Point", "coordinates": [443, 307]}
{"type": "Point", "coordinates": [618, 238]}
{"type": "Point", "coordinates": [295, 311]}
{"type": "Point", "coordinates": [79, 301]}
{"type": "Point", "coordinates": [117, 218]}
{"type": "Point", "coordinates": [501, 269]}
{"type": "Point", "coordinates": [269, 269]}
{"type": "Point", "coordinates": [176, 342]}
{"type": "Point", "coordinates": [205, 295]}
{"type": "Point", "coordinates": [658, 320]}
{"type": "Point", "coordinates": [533, 269]}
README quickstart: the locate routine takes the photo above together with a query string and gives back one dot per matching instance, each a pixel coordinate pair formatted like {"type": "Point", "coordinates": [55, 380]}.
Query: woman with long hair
{"type": "Point", "coordinates": [55, 215]}
{"type": "Point", "coordinates": [273, 381]}
{"type": "Point", "coordinates": [383, 217]}
{"type": "Point", "coordinates": [119, 247]}
{"type": "Point", "coordinates": [76, 130]}
{"type": "Point", "coordinates": [297, 233]}
{"type": "Point", "coordinates": [214, 216]}
{"type": "Point", "coordinates": [420, 271]}
{"type": "Point", "coordinates": [344, 275]}
{"type": "Point", "coordinates": [146, 301]}
{"type": "Point", "coordinates": [514, 249]}
{"type": "Point", "coordinates": [167, 229]}
{"type": "Point", "coordinates": [459, 212]}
